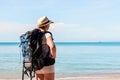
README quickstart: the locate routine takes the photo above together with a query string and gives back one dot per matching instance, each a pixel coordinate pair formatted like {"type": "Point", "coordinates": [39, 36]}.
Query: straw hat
{"type": "Point", "coordinates": [44, 21]}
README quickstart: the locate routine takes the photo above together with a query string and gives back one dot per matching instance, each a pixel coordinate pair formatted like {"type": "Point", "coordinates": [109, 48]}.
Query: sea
{"type": "Point", "coordinates": [72, 58]}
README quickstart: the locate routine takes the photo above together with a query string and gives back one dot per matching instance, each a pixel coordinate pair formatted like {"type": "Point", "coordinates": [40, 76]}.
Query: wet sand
{"type": "Point", "coordinates": [79, 78]}
{"type": "Point", "coordinates": [70, 76]}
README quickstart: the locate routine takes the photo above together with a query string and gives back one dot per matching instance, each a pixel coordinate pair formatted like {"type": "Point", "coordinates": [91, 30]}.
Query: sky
{"type": "Point", "coordinates": [74, 20]}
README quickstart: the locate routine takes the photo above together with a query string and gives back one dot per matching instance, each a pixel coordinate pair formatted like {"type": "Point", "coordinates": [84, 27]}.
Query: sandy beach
{"type": "Point", "coordinates": [76, 76]}
{"type": "Point", "coordinates": [90, 78]}
{"type": "Point", "coordinates": [79, 78]}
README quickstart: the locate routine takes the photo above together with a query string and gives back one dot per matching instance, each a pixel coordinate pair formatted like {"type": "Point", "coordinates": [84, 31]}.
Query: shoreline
{"type": "Point", "coordinates": [70, 76]}
{"type": "Point", "coordinates": [79, 78]}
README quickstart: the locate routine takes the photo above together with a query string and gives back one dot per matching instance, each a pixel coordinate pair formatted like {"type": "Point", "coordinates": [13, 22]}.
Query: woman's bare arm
{"type": "Point", "coordinates": [52, 46]}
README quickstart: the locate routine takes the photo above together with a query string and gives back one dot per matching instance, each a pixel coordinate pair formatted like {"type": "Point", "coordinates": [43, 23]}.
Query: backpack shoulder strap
{"type": "Point", "coordinates": [49, 33]}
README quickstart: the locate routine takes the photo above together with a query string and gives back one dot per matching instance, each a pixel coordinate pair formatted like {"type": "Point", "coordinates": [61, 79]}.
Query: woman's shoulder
{"type": "Point", "coordinates": [48, 34]}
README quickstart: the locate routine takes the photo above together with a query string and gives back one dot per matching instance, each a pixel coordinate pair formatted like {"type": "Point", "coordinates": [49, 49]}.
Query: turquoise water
{"type": "Point", "coordinates": [71, 57]}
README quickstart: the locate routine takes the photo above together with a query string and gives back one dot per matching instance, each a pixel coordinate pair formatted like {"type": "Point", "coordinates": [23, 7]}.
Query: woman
{"type": "Point", "coordinates": [47, 72]}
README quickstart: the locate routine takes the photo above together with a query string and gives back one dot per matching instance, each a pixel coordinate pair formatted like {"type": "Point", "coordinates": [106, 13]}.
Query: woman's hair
{"type": "Point", "coordinates": [43, 27]}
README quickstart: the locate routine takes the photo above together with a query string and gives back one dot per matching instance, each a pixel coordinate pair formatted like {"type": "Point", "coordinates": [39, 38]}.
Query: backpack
{"type": "Point", "coordinates": [34, 51]}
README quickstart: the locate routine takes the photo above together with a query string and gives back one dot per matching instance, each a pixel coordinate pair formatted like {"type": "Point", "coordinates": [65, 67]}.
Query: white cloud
{"type": "Point", "coordinates": [75, 32]}
{"type": "Point", "coordinates": [12, 31]}
{"type": "Point", "coordinates": [63, 32]}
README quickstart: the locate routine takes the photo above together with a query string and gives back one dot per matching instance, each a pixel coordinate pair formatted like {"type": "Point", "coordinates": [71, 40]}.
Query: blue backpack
{"type": "Point", "coordinates": [33, 51]}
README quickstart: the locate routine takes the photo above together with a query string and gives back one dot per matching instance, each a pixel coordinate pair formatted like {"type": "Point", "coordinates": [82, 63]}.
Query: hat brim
{"type": "Point", "coordinates": [50, 22]}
